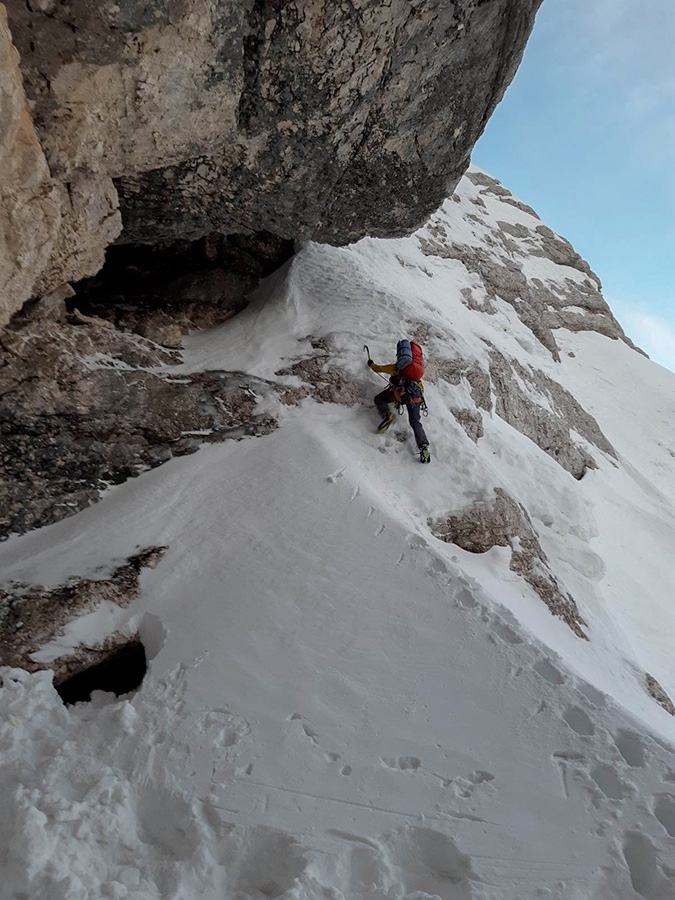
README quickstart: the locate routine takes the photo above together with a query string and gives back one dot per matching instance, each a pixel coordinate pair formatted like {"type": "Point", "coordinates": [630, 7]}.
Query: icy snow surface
{"type": "Point", "coordinates": [339, 704]}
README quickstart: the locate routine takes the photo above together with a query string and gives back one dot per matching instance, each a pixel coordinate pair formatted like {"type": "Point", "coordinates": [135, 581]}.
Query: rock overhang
{"type": "Point", "coordinates": [304, 119]}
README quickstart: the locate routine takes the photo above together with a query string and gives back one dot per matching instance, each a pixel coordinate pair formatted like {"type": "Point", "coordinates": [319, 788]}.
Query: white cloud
{"type": "Point", "coordinates": [651, 333]}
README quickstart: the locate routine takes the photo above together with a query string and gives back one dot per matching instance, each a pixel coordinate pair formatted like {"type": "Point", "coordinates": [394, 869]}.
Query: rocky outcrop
{"type": "Point", "coordinates": [29, 202]}
{"type": "Point", "coordinates": [454, 370]}
{"type": "Point", "coordinates": [322, 380]}
{"type": "Point", "coordinates": [84, 405]}
{"type": "Point", "coordinates": [304, 119]}
{"type": "Point", "coordinates": [505, 523]}
{"type": "Point", "coordinates": [51, 231]}
{"type": "Point", "coordinates": [529, 400]}
{"type": "Point", "coordinates": [657, 693]}
{"type": "Point", "coordinates": [500, 259]}
{"type": "Point", "coordinates": [550, 422]}
{"type": "Point", "coordinates": [32, 616]}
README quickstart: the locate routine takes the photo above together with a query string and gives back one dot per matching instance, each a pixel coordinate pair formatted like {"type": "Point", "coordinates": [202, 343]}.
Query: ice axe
{"type": "Point", "coordinates": [365, 347]}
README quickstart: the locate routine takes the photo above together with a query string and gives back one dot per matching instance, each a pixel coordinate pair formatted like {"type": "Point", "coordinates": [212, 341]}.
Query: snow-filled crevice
{"type": "Point", "coordinates": [120, 671]}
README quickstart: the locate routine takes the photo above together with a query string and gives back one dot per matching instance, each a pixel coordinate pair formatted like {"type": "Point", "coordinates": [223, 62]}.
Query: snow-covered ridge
{"type": "Point", "coordinates": [344, 705]}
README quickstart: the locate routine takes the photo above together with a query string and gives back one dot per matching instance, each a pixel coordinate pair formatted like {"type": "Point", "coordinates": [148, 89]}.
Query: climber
{"type": "Point", "coordinates": [405, 388]}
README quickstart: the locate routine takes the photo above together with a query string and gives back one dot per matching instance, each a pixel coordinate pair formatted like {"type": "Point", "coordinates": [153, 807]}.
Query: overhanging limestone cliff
{"type": "Point", "coordinates": [305, 119]}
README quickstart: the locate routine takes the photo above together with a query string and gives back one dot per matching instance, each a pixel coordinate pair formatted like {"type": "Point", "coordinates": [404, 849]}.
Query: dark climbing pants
{"type": "Point", "coordinates": [382, 401]}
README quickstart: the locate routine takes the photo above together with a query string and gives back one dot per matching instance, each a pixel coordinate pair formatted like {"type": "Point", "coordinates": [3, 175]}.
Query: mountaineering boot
{"type": "Point", "coordinates": [425, 456]}
{"type": "Point", "coordinates": [388, 420]}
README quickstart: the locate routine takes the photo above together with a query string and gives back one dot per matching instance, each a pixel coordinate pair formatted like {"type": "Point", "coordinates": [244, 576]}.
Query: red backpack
{"type": "Point", "coordinates": [415, 370]}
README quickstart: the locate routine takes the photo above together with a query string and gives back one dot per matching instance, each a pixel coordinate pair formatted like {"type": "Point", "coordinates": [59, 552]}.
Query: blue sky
{"type": "Point", "coordinates": [586, 135]}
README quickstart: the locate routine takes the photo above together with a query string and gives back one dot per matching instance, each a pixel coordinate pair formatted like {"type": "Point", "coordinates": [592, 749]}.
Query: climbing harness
{"type": "Point", "coordinates": [401, 391]}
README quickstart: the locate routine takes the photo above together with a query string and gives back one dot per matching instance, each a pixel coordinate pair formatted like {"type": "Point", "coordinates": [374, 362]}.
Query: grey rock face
{"type": "Point", "coordinates": [325, 382]}
{"type": "Point", "coordinates": [51, 232]}
{"type": "Point", "coordinates": [81, 407]}
{"type": "Point", "coordinates": [470, 420]}
{"type": "Point", "coordinates": [501, 263]}
{"type": "Point", "coordinates": [657, 693]}
{"type": "Point", "coordinates": [550, 428]}
{"type": "Point", "coordinates": [308, 119]}
{"type": "Point", "coordinates": [505, 523]}
{"type": "Point", "coordinates": [31, 616]}
{"type": "Point", "coordinates": [530, 401]}
{"type": "Point", "coordinates": [454, 370]}
{"type": "Point", "coordinates": [492, 186]}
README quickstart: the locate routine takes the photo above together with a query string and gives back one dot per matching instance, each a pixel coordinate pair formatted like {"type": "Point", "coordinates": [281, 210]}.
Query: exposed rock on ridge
{"type": "Point", "coordinates": [305, 119]}
{"type": "Point", "coordinates": [84, 405]}
{"type": "Point", "coordinates": [530, 401]}
{"type": "Point", "coordinates": [32, 616]}
{"type": "Point", "coordinates": [505, 523]}
{"type": "Point", "coordinates": [562, 292]}
{"type": "Point", "coordinates": [549, 422]}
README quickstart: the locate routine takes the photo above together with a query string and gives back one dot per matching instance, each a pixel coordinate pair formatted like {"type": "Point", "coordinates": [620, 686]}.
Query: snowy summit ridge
{"type": "Point", "coordinates": [371, 678]}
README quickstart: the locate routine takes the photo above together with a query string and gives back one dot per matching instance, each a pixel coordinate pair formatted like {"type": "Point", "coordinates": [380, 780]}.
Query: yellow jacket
{"type": "Point", "coordinates": [388, 370]}
{"type": "Point", "coordinates": [391, 370]}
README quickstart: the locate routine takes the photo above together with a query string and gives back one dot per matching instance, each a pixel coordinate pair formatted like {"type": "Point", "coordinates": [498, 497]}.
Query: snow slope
{"type": "Point", "coordinates": [339, 704]}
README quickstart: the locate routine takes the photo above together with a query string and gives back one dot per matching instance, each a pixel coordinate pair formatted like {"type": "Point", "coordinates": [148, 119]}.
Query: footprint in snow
{"type": "Point", "coordinates": [309, 732]}
{"type": "Point", "coordinates": [462, 787]}
{"type": "Point", "coordinates": [505, 632]}
{"type": "Point", "coordinates": [548, 672]}
{"type": "Point", "coordinates": [480, 777]}
{"type": "Point", "coordinates": [466, 599]}
{"type": "Point", "coordinates": [223, 728]}
{"type": "Point", "coordinates": [332, 478]}
{"type": "Point", "coordinates": [402, 763]}
{"type": "Point", "coordinates": [664, 810]}
{"type": "Point", "coordinates": [592, 694]}
{"type": "Point", "coordinates": [579, 721]}
{"type": "Point", "coordinates": [630, 746]}
{"type": "Point", "coordinates": [607, 779]}
{"type": "Point", "coordinates": [648, 877]}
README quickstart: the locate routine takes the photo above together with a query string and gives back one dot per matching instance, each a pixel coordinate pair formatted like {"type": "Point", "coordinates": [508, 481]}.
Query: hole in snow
{"type": "Point", "coordinates": [120, 672]}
